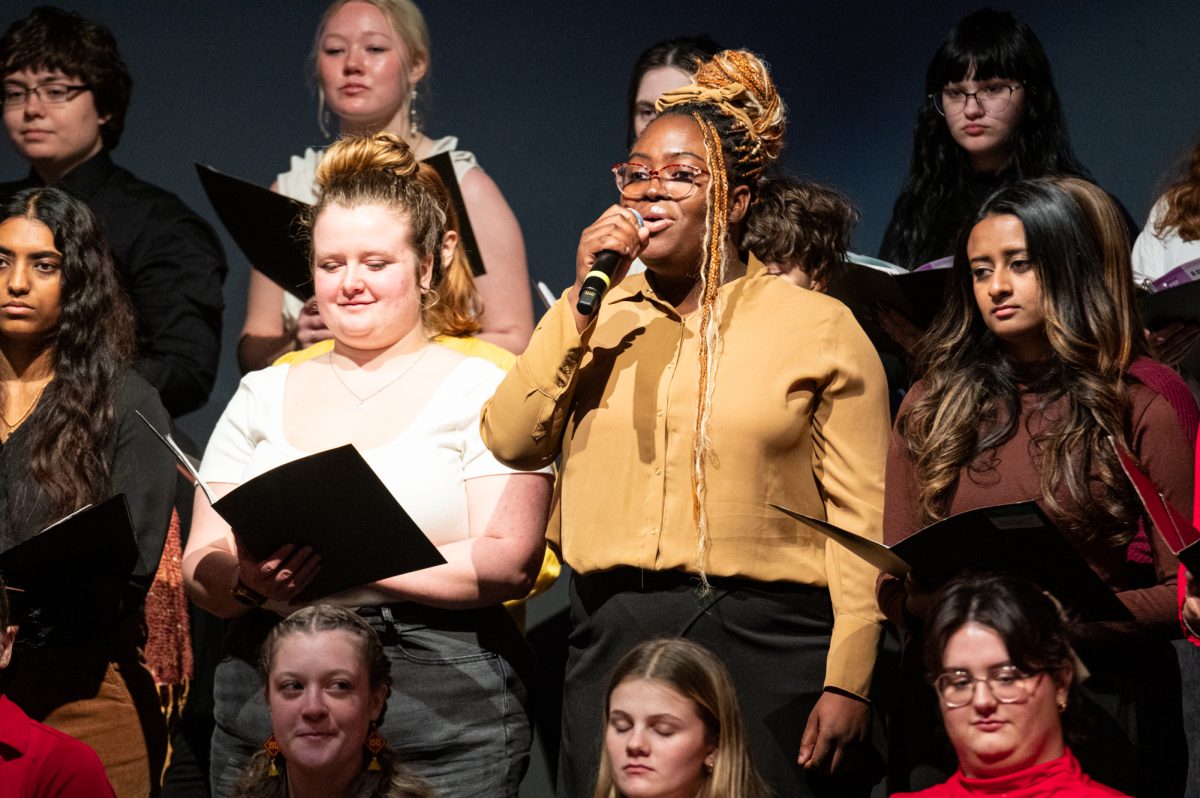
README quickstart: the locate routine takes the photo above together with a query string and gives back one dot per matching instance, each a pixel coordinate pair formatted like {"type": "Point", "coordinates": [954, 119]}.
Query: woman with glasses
{"type": "Point", "coordinates": [1000, 657]}
{"type": "Point", "coordinates": [699, 393]}
{"type": "Point", "coordinates": [1026, 378]}
{"type": "Point", "coordinates": [991, 115]}
{"type": "Point", "coordinates": [369, 58]}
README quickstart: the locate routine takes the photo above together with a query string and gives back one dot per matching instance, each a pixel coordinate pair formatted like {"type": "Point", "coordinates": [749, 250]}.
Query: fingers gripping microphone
{"type": "Point", "coordinates": [596, 284]}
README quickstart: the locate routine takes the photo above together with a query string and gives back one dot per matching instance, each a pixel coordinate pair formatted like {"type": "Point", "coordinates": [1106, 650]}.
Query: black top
{"type": "Point", "coordinates": [953, 216]}
{"type": "Point", "coordinates": [172, 265]}
{"type": "Point", "coordinates": [142, 469]}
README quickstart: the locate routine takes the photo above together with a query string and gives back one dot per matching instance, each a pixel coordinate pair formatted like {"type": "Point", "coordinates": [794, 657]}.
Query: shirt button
{"type": "Point", "coordinates": [660, 414]}
{"type": "Point", "coordinates": [658, 472]}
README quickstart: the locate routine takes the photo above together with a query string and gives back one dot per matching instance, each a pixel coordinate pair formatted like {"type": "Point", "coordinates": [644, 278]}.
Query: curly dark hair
{"type": "Point", "coordinates": [92, 345]}
{"type": "Point", "coordinates": [50, 38]}
{"type": "Point", "coordinates": [936, 197]}
{"type": "Point", "coordinates": [684, 52]}
{"type": "Point", "coordinates": [794, 219]}
{"type": "Point", "coordinates": [972, 401]}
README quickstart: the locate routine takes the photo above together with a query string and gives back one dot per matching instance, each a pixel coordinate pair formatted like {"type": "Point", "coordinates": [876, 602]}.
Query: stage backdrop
{"type": "Point", "coordinates": [537, 91]}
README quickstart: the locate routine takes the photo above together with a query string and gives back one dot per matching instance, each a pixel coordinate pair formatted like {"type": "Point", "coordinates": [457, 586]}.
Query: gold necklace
{"type": "Point", "coordinates": [13, 425]}
{"type": "Point", "coordinates": [363, 399]}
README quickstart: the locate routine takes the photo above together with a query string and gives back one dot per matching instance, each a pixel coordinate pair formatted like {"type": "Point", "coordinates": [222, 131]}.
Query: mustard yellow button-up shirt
{"type": "Point", "coordinates": [799, 418]}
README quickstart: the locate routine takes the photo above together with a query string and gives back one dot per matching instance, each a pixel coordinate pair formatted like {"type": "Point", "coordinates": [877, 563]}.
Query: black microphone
{"type": "Point", "coordinates": [596, 284]}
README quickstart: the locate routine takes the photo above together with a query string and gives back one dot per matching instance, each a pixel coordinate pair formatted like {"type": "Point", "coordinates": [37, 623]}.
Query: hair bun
{"type": "Point", "coordinates": [383, 153]}
{"type": "Point", "coordinates": [760, 103]}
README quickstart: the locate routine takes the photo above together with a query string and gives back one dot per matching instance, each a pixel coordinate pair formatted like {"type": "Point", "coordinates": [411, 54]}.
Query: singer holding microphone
{"type": "Point", "coordinates": [698, 393]}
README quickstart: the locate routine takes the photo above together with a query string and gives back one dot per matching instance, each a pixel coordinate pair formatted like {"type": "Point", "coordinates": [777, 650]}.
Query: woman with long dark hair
{"type": "Point", "coordinates": [990, 115]}
{"type": "Point", "coordinates": [1025, 381]}
{"type": "Point", "coordinates": [71, 437]}
{"type": "Point", "coordinates": [701, 391]}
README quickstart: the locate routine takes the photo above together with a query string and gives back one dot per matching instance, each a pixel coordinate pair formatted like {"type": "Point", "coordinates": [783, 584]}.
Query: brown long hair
{"type": "Point", "coordinates": [972, 402]}
{"type": "Point", "coordinates": [93, 343]}
{"type": "Point", "coordinates": [698, 675]}
{"type": "Point", "coordinates": [1182, 202]}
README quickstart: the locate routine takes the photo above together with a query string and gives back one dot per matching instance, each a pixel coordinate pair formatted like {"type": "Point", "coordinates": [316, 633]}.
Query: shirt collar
{"type": "Point", "coordinates": [14, 728]}
{"type": "Point", "coordinates": [637, 288]}
{"type": "Point", "coordinates": [86, 179]}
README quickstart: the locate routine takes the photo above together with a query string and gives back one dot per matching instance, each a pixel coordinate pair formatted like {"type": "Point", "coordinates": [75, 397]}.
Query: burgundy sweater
{"type": "Point", "coordinates": [1158, 442]}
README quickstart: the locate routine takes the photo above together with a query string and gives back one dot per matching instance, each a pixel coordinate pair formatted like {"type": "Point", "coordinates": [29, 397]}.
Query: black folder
{"type": "Point", "coordinates": [918, 295]}
{"type": "Point", "coordinates": [1178, 303]}
{"type": "Point", "coordinates": [335, 503]}
{"type": "Point", "coordinates": [332, 501]}
{"type": "Point", "coordinates": [1009, 538]}
{"type": "Point", "coordinates": [265, 225]}
{"type": "Point", "coordinates": [79, 565]}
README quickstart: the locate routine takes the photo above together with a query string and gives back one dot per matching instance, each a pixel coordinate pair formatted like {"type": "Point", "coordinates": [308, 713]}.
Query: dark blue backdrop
{"type": "Point", "coordinates": [536, 89]}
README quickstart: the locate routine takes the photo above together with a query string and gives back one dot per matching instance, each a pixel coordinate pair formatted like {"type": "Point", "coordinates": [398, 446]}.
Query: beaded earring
{"type": "Point", "coordinates": [414, 121]}
{"type": "Point", "coordinates": [271, 746]}
{"type": "Point", "coordinates": [374, 743]}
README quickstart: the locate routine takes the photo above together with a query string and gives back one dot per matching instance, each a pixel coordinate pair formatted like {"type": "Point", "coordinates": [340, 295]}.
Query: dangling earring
{"type": "Point", "coordinates": [271, 746]}
{"type": "Point", "coordinates": [375, 743]}
{"type": "Point", "coordinates": [414, 121]}
{"type": "Point", "coordinates": [324, 116]}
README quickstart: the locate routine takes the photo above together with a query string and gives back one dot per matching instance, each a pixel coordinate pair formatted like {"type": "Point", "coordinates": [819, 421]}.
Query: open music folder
{"type": "Point", "coordinates": [1007, 538]}
{"type": "Point", "coordinates": [264, 224]}
{"type": "Point", "coordinates": [76, 568]}
{"type": "Point", "coordinates": [332, 501]}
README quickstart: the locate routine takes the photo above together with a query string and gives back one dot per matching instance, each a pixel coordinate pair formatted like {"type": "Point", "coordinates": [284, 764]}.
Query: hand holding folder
{"type": "Point", "coordinates": [1014, 538]}
{"type": "Point", "coordinates": [332, 502]}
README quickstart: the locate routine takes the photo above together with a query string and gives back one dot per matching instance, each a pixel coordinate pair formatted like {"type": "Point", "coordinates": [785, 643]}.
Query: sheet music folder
{"type": "Point", "coordinates": [1009, 538]}
{"type": "Point", "coordinates": [264, 224]}
{"type": "Point", "coordinates": [918, 295]}
{"type": "Point", "coordinates": [1176, 530]}
{"type": "Point", "coordinates": [332, 501]}
{"type": "Point", "coordinates": [81, 562]}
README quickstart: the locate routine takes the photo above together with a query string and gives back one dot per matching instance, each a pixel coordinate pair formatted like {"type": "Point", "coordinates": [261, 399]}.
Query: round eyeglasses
{"type": "Point", "coordinates": [16, 95]}
{"type": "Point", "coordinates": [1008, 684]}
{"type": "Point", "coordinates": [993, 98]}
{"type": "Point", "coordinates": [676, 181]}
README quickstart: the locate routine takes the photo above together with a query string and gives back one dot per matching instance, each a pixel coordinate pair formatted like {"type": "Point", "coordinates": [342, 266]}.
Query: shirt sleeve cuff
{"type": "Point", "coordinates": [852, 651]}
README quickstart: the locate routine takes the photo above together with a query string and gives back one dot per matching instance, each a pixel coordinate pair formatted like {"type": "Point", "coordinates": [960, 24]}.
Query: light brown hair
{"type": "Point", "coordinates": [796, 220]}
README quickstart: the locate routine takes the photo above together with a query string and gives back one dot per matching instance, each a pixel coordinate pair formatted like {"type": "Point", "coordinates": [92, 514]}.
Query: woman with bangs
{"type": "Point", "coordinates": [1026, 375]}
{"type": "Point", "coordinates": [990, 115]}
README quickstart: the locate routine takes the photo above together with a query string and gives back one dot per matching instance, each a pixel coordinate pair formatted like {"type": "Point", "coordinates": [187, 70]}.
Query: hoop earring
{"type": "Point", "coordinates": [271, 746]}
{"type": "Point", "coordinates": [414, 121]}
{"type": "Point", "coordinates": [375, 743]}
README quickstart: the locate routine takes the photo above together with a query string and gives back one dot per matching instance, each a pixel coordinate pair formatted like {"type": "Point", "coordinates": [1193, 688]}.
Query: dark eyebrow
{"type": "Point", "coordinates": [674, 154]}
{"type": "Point", "coordinates": [49, 253]}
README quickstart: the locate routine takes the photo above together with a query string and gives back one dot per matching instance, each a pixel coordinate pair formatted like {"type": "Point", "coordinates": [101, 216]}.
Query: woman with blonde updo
{"type": "Point", "coordinates": [411, 407]}
{"type": "Point", "coordinates": [701, 392]}
{"type": "Point", "coordinates": [369, 59]}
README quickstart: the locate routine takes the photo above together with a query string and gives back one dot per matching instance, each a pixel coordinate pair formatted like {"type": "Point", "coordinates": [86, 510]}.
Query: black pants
{"type": "Point", "coordinates": [773, 638]}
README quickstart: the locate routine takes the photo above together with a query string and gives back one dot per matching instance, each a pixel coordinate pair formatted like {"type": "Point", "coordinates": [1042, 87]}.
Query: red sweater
{"type": "Point", "coordinates": [1058, 778]}
{"type": "Point", "coordinates": [37, 761]}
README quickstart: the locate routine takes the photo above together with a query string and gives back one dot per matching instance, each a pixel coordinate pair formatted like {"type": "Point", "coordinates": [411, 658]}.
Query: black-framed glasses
{"type": "Point", "coordinates": [16, 95]}
{"type": "Point", "coordinates": [992, 98]}
{"type": "Point", "coordinates": [1008, 684]}
{"type": "Point", "coordinates": [676, 180]}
